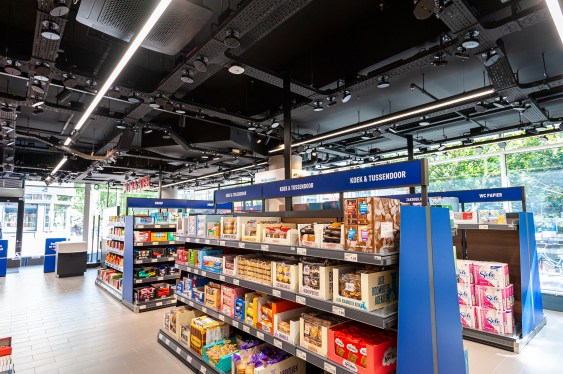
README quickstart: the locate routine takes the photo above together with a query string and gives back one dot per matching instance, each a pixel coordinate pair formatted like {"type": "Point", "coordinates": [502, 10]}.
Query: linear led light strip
{"type": "Point", "coordinates": [156, 14]}
{"type": "Point", "coordinates": [557, 15]}
{"type": "Point", "coordinates": [216, 174]}
{"type": "Point", "coordinates": [387, 119]}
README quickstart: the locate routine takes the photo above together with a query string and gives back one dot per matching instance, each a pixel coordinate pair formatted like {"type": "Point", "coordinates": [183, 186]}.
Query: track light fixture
{"type": "Point", "coordinates": [462, 53]}
{"type": "Point", "coordinates": [59, 9]}
{"type": "Point", "coordinates": [134, 98]}
{"type": "Point", "coordinates": [69, 81]}
{"type": "Point", "coordinates": [201, 63]}
{"type": "Point", "coordinates": [147, 130]}
{"type": "Point", "coordinates": [366, 136]}
{"type": "Point", "coordinates": [42, 72]}
{"type": "Point", "coordinates": [180, 110]}
{"type": "Point", "coordinates": [275, 123]}
{"type": "Point", "coordinates": [168, 106]}
{"type": "Point", "coordinates": [91, 86]}
{"type": "Point", "coordinates": [12, 67]}
{"type": "Point", "coordinates": [236, 68]}
{"type": "Point", "coordinates": [160, 100]}
{"type": "Point", "coordinates": [423, 9]}
{"type": "Point", "coordinates": [471, 40]}
{"type": "Point", "coordinates": [424, 121]}
{"type": "Point", "coordinates": [318, 106]}
{"type": "Point", "coordinates": [50, 30]}
{"type": "Point", "coordinates": [331, 100]}
{"type": "Point", "coordinates": [232, 39]}
{"type": "Point", "coordinates": [383, 81]}
{"type": "Point", "coordinates": [153, 104]}
{"type": "Point", "coordinates": [346, 96]}
{"type": "Point", "coordinates": [121, 125]}
{"type": "Point", "coordinates": [37, 111]}
{"type": "Point", "coordinates": [187, 76]}
{"type": "Point", "coordinates": [491, 56]}
{"type": "Point", "coordinates": [440, 60]}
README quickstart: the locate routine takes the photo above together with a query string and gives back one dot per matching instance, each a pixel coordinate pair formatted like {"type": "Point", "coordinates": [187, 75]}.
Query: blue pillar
{"type": "Point", "coordinates": [51, 254]}
{"type": "Point", "coordinates": [3, 257]}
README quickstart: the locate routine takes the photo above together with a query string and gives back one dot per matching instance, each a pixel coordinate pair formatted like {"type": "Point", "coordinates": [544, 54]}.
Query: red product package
{"type": "Point", "coordinates": [363, 349]}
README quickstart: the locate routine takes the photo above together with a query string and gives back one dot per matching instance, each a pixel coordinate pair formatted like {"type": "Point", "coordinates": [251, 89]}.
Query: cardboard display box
{"type": "Point", "coordinates": [285, 275]}
{"type": "Point", "coordinates": [236, 228]}
{"type": "Point", "coordinates": [316, 280]}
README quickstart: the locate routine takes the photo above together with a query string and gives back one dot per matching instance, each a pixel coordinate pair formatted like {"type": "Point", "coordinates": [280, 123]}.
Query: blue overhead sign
{"type": "Point", "coordinates": [386, 176]}
{"type": "Point", "coordinates": [471, 196]}
{"type": "Point", "coordinates": [253, 192]}
{"type": "Point", "coordinates": [139, 202]}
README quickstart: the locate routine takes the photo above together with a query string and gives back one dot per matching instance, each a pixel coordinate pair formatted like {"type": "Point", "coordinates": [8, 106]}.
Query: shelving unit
{"type": "Point", "coordinates": [109, 289]}
{"type": "Point", "coordinates": [421, 260]}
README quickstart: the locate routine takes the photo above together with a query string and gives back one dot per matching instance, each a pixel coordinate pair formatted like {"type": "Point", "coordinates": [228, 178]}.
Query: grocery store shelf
{"type": "Point", "coordinates": [512, 343]}
{"type": "Point", "coordinates": [156, 226]}
{"type": "Point", "coordinates": [302, 353]}
{"type": "Point", "coordinates": [155, 279]}
{"type": "Point", "coordinates": [186, 355]}
{"type": "Point", "coordinates": [114, 266]}
{"type": "Point", "coordinates": [383, 318]}
{"type": "Point", "coordinates": [115, 237]}
{"type": "Point", "coordinates": [477, 226]}
{"type": "Point", "coordinates": [154, 260]}
{"type": "Point", "coordinates": [351, 256]}
{"type": "Point", "coordinates": [109, 289]}
{"type": "Point", "coordinates": [164, 302]}
{"type": "Point", "coordinates": [116, 224]}
{"type": "Point", "coordinates": [115, 251]}
{"type": "Point", "coordinates": [152, 244]}
{"type": "Point", "coordinates": [327, 213]}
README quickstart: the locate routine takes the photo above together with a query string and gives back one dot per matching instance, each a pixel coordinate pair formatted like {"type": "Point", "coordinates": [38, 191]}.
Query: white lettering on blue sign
{"type": "Point", "coordinates": [236, 194]}
{"type": "Point", "coordinates": [159, 203]}
{"type": "Point", "coordinates": [378, 177]}
{"type": "Point", "coordinates": [490, 195]}
{"type": "Point", "coordinates": [297, 187]}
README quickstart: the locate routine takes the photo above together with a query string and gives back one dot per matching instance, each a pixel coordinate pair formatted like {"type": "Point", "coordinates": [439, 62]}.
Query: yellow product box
{"type": "Point", "coordinates": [206, 330]}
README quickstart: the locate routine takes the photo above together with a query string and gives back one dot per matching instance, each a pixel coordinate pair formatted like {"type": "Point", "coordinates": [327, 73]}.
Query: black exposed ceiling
{"type": "Point", "coordinates": [315, 42]}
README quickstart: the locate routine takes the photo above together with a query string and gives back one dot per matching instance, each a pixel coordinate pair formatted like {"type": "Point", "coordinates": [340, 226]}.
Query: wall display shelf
{"type": "Point", "coordinates": [145, 306]}
{"type": "Point", "coordinates": [115, 251]}
{"type": "Point", "coordinates": [154, 260]}
{"type": "Point", "coordinates": [115, 237]}
{"type": "Point", "coordinates": [154, 244]}
{"type": "Point", "coordinates": [383, 318]}
{"type": "Point", "coordinates": [359, 257]}
{"type": "Point", "coordinates": [428, 317]}
{"type": "Point", "coordinates": [156, 226]}
{"type": "Point", "coordinates": [304, 354]}
{"type": "Point", "coordinates": [114, 266]}
{"type": "Point", "coordinates": [109, 289]}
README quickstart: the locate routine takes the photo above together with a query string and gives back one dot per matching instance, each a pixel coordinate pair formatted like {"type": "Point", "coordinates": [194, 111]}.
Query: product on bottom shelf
{"type": "Point", "coordinates": [468, 316]}
{"type": "Point", "coordinates": [495, 321]}
{"type": "Point", "coordinates": [219, 354]}
{"type": "Point", "coordinates": [206, 330]}
{"type": "Point", "coordinates": [313, 331]}
{"type": "Point", "coordinates": [143, 294]}
{"type": "Point", "coordinates": [266, 359]}
{"type": "Point", "coordinates": [315, 277]}
{"type": "Point", "coordinates": [366, 288]}
{"type": "Point", "coordinates": [363, 349]}
{"type": "Point", "coordinates": [176, 317]}
{"type": "Point", "coordinates": [494, 297]}
{"type": "Point", "coordinates": [466, 294]}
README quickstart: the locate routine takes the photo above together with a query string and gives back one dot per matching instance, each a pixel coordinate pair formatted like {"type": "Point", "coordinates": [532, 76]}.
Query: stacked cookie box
{"type": "Point", "coordinates": [485, 296]}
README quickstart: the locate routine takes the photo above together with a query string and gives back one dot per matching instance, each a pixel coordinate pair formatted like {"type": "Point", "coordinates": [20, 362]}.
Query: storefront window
{"type": "Point", "coordinates": [10, 217]}
{"type": "Point", "coordinates": [47, 222]}
{"type": "Point", "coordinates": [30, 217]}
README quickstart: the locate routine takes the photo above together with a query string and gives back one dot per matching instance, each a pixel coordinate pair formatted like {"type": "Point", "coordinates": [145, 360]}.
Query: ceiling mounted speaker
{"type": "Point", "coordinates": [490, 57]}
{"type": "Point", "coordinates": [423, 9]}
{"type": "Point", "coordinates": [12, 67]}
{"type": "Point", "coordinates": [42, 72]}
{"type": "Point", "coordinates": [168, 106]}
{"type": "Point", "coordinates": [70, 81]}
{"type": "Point", "coordinates": [50, 30]}
{"type": "Point", "coordinates": [37, 88]}
{"type": "Point", "coordinates": [59, 8]}
{"type": "Point", "coordinates": [114, 92]}
{"type": "Point", "coordinates": [160, 100]}
{"type": "Point", "coordinates": [201, 63]}
{"type": "Point", "coordinates": [232, 39]}
{"type": "Point", "coordinates": [134, 98]}
{"type": "Point", "coordinates": [471, 40]}
{"type": "Point", "coordinates": [236, 69]}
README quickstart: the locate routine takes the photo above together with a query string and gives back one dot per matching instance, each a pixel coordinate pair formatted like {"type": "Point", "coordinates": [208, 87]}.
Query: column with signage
{"type": "Point", "coordinates": [3, 257]}
{"type": "Point", "coordinates": [50, 259]}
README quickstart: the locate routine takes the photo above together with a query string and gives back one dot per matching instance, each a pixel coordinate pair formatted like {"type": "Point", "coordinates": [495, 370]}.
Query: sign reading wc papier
{"type": "Point", "coordinates": [386, 176]}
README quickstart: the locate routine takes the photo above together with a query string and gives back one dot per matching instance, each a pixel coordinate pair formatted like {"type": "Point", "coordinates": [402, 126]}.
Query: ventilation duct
{"type": "Point", "coordinates": [121, 19]}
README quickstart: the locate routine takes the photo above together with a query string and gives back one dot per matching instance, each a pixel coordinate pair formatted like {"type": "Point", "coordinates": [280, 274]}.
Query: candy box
{"type": "Point", "coordinates": [316, 278]}
{"type": "Point", "coordinates": [244, 228]}
{"type": "Point", "coordinates": [269, 310]}
{"type": "Point", "coordinates": [213, 227]}
{"type": "Point", "coordinates": [182, 226]}
{"type": "Point", "coordinates": [143, 220]}
{"type": "Point", "coordinates": [229, 295]}
{"type": "Point", "coordinates": [493, 274]}
{"type": "Point", "coordinates": [201, 226]}
{"type": "Point", "coordinates": [158, 236]}
{"type": "Point", "coordinates": [495, 321]}
{"type": "Point", "coordinates": [291, 365]}
{"type": "Point", "coordinates": [142, 254]}
{"type": "Point", "coordinates": [386, 225]}
{"type": "Point", "coordinates": [359, 238]}
{"type": "Point", "coordinates": [182, 256]}
{"type": "Point", "coordinates": [464, 269]}
{"type": "Point", "coordinates": [141, 236]}
{"type": "Point", "coordinates": [253, 302]}
{"type": "Point", "coordinates": [206, 330]}
{"type": "Point", "coordinates": [468, 316]}
{"type": "Point", "coordinates": [464, 217]}
{"type": "Point", "coordinates": [177, 317]}
{"type": "Point", "coordinates": [310, 235]}
{"type": "Point", "coordinates": [229, 265]}
{"type": "Point", "coordinates": [333, 236]}
{"type": "Point", "coordinates": [494, 297]}
{"type": "Point", "coordinates": [351, 211]}
{"type": "Point", "coordinates": [192, 226]}
{"type": "Point", "coordinates": [219, 354]}
{"type": "Point", "coordinates": [313, 331]}
{"type": "Point", "coordinates": [285, 274]}
{"type": "Point", "coordinates": [196, 260]}
{"type": "Point", "coordinates": [466, 294]}
{"type": "Point", "coordinates": [363, 349]}
{"type": "Point", "coordinates": [198, 294]}
{"type": "Point", "coordinates": [213, 295]}
{"type": "Point", "coordinates": [286, 324]}
{"type": "Point", "coordinates": [212, 263]}
{"type": "Point", "coordinates": [239, 309]}
{"type": "Point", "coordinates": [366, 290]}
{"type": "Point", "coordinates": [285, 234]}
{"type": "Point", "coordinates": [143, 294]}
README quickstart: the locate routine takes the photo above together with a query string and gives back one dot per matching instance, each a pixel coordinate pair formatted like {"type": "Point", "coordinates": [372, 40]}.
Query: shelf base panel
{"type": "Point", "coordinates": [513, 343]}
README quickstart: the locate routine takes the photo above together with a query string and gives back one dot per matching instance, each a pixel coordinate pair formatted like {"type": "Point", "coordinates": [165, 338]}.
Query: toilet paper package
{"type": "Point", "coordinates": [492, 274]}
{"type": "Point", "coordinates": [465, 272]}
{"type": "Point", "coordinates": [466, 294]}
{"type": "Point", "coordinates": [494, 297]}
{"type": "Point", "coordinates": [495, 321]}
{"type": "Point", "coordinates": [468, 317]}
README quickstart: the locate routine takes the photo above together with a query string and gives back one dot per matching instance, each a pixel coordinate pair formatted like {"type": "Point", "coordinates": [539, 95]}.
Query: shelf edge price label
{"type": "Point", "coordinates": [259, 335]}
{"type": "Point", "coordinates": [154, 260]}
{"type": "Point", "coordinates": [167, 341]}
{"type": "Point", "coordinates": [191, 303]}
{"type": "Point", "coordinates": [203, 369]}
{"type": "Point", "coordinates": [222, 278]}
{"type": "Point", "coordinates": [265, 247]}
{"type": "Point", "coordinates": [276, 293]}
{"type": "Point", "coordinates": [483, 227]}
{"type": "Point", "coordinates": [278, 343]}
{"type": "Point", "coordinates": [160, 278]}
{"type": "Point", "coordinates": [300, 354]}
{"type": "Point", "coordinates": [222, 317]}
{"type": "Point", "coordinates": [196, 271]}
{"type": "Point", "coordinates": [377, 258]}
{"type": "Point", "coordinates": [222, 243]}
{"type": "Point", "coordinates": [178, 350]}
{"type": "Point", "coordinates": [300, 300]}
{"type": "Point", "coordinates": [159, 303]}
{"type": "Point", "coordinates": [236, 282]}
{"type": "Point", "coordinates": [207, 241]}
{"type": "Point", "coordinates": [247, 329]}
{"type": "Point", "coordinates": [235, 324]}
{"type": "Point", "coordinates": [329, 367]}
{"type": "Point", "coordinates": [241, 245]}
{"type": "Point", "coordinates": [154, 243]}
{"type": "Point", "coordinates": [302, 251]}
{"type": "Point", "coordinates": [157, 226]}
{"type": "Point", "coordinates": [203, 273]}
{"type": "Point", "coordinates": [190, 359]}
{"type": "Point", "coordinates": [351, 257]}
{"type": "Point", "coordinates": [204, 309]}
{"type": "Point", "coordinates": [338, 311]}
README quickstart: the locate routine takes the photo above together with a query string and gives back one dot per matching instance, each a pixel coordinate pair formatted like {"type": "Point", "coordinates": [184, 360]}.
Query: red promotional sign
{"type": "Point", "coordinates": [140, 184]}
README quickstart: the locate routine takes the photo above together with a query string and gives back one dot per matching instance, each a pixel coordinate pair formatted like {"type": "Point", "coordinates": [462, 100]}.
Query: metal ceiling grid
{"type": "Point", "coordinates": [457, 16]}
{"type": "Point", "coordinates": [46, 49]}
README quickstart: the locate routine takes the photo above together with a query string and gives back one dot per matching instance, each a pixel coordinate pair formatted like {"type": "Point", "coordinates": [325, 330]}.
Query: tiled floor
{"type": "Point", "coordinates": [71, 326]}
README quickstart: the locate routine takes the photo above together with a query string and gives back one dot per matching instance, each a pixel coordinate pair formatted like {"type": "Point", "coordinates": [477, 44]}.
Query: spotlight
{"type": "Point", "coordinates": [69, 81]}
{"type": "Point", "coordinates": [201, 63]}
{"type": "Point", "coordinates": [346, 96]}
{"type": "Point", "coordinates": [383, 81]}
{"type": "Point", "coordinates": [64, 95]}
{"type": "Point", "coordinates": [314, 153]}
{"type": "Point", "coordinates": [236, 69]}
{"type": "Point", "coordinates": [134, 98]}
{"type": "Point", "coordinates": [91, 86]}
{"type": "Point", "coordinates": [114, 92]}
{"type": "Point", "coordinates": [440, 60]}
{"type": "Point", "coordinates": [37, 111]}
{"type": "Point", "coordinates": [252, 127]}
{"type": "Point", "coordinates": [543, 139]}
{"type": "Point", "coordinates": [147, 131]}
{"type": "Point", "coordinates": [331, 100]}
{"type": "Point", "coordinates": [376, 133]}
{"type": "Point", "coordinates": [42, 72]}
{"type": "Point", "coordinates": [442, 147]}
{"type": "Point", "coordinates": [258, 141]}
{"type": "Point", "coordinates": [59, 8]}
{"type": "Point", "coordinates": [37, 88]}
{"type": "Point", "coordinates": [424, 121]}
{"type": "Point", "coordinates": [471, 40]}
{"type": "Point", "coordinates": [423, 9]}
{"type": "Point", "coordinates": [366, 136]}
{"type": "Point", "coordinates": [160, 100]}
{"type": "Point", "coordinates": [121, 125]}
{"type": "Point", "coordinates": [232, 39]}
{"type": "Point", "coordinates": [275, 123]}
{"type": "Point", "coordinates": [153, 104]}
{"type": "Point", "coordinates": [318, 106]}
{"type": "Point", "coordinates": [12, 67]}
{"type": "Point", "coordinates": [180, 110]}
{"type": "Point", "coordinates": [502, 145]}
{"type": "Point", "coordinates": [187, 76]}
{"type": "Point", "coordinates": [462, 53]}
{"type": "Point", "coordinates": [166, 135]}
{"type": "Point", "coordinates": [50, 30]}
{"type": "Point", "coordinates": [480, 107]}
{"type": "Point", "coordinates": [490, 57]}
